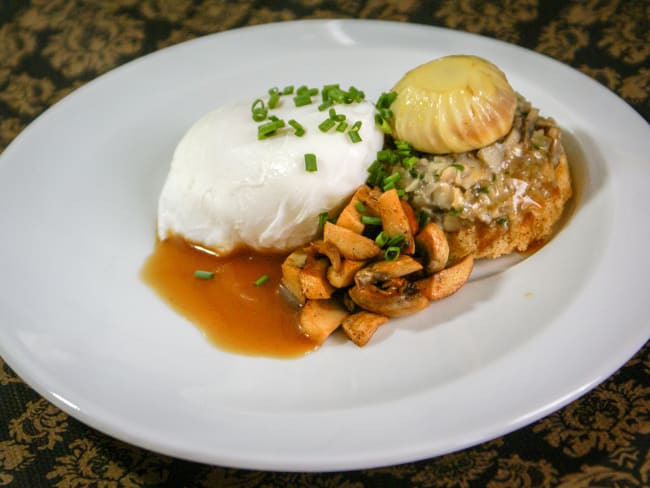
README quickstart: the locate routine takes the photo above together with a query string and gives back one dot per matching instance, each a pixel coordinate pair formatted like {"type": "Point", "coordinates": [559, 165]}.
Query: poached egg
{"type": "Point", "coordinates": [226, 189]}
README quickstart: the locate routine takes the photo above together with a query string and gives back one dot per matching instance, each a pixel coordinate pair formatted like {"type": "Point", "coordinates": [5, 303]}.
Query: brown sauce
{"type": "Point", "coordinates": [234, 313]}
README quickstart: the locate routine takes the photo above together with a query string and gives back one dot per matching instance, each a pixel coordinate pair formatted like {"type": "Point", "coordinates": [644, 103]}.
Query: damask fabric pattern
{"type": "Point", "coordinates": [48, 48]}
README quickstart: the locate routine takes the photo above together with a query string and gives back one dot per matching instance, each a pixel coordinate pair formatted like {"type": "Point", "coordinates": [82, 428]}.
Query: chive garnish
{"type": "Point", "coordinates": [354, 136]}
{"type": "Point", "coordinates": [361, 208]}
{"type": "Point", "coordinates": [261, 280]}
{"type": "Point", "coordinates": [322, 218]}
{"type": "Point", "coordinates": [203, 275]}
{"type": "Point", "coordinates": [396, 240]}
{"type": "Point", "coordinates": [342, 126]}
{"type": "Point", "coordinates": [287, 90]}
{"type": "Point", "coordinates": [310, 162]}
{"type": "Point", "coordinates": [258, 110]}
{"type": "Point", "coordinates": [386, 99]}
{"type": "Point", "coordinates": [459, 167]}
{"type": "Point", "coordinates": [381, 239]}
{"type": "Point", "coordinates": [266, 130]}
{"type": "Point", "coordinates": [409, 162]}
{"type": "Point", "coordinates": [299, 130]}
{"type": "Point", "coordinates": [502, 221]}
{"type": "Point", "coordinates": [394, 178]}
{"type": "Point", "coordinates": [423, 218]}
{"type": "Point", "coordinates": [370, 220]}
{"type": "Point", "coordinates": [391, 253]}
{"type": "Point", "coordinates": [274, 99]}
{"type": "Point", "coordinates": [301, 100]}
{"type": "Point", "coordinates": [327, 124]}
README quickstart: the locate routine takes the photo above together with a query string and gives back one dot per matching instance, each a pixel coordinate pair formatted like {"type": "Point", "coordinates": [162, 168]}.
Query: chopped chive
{"type": "Point", "coordinates": [382, 239]}
{"type": "Point", "coordinates": [287, 90]}
{"type": "Point", "coordinates": [310, 162]}
{"type": "Point", "coordinates": [396, 240]}
{"type": "Point", "coordinates": [266, 130]}
{"type": "Point", "coordinates": [356, 126]}
{"type": "Point", "coordinates": [459, 167]}
{"type": "Point", "coordinates": [409, 162]}
{"type": "Point", "coordinates": [342, 126]}
{"type": "Point", "coordinates": [324, 106]}
{"type": "Point", "coordinates": [274, 99]}
{"type": "Point", "coordinates": [258, 110]}
{"type": "Point", "coordinates": [203, 275]}
{"type": "Point", "coordinates": [327, 124]}
{"type": "Point", "coordinates": [370, 220]}
{"type": "Point", "coordinates": [375, 173]}
{"type": "Point", "coordinates": [388, 186]}
{"type": "Point", "coordinates": [299, 130]}
{"type": "Point", "coordinates": [354, 136]}
{"type": "Point", "coordinates": [394, 178]}
{"type": "Point", "coordinates": [502, 221]}
{"type": "Point", "coordinates": [386, 155]}
{"type": "Point", "coordinates": [301, 100]}
{"type": "Point", "coordinates": [322, 218]}
{"type": "Point", "coordinates": [383, 125]}
{"type": "Point", "coordinates": [261, 280]}
{"type": "Point", "coordinates": [306, 91]}
{"type": "Point", "coordinates": [391, 253]}
{"type": "Point", "coordinates": [423, 218]}
{"type": "Point", "coordinates": [361, 208]}
{"type": "Point", "coordinates": [386, 99]}
{"type": "Point", "coordinates": [401, 192]}
{"type": "Point", "coordinates": [356, 95]}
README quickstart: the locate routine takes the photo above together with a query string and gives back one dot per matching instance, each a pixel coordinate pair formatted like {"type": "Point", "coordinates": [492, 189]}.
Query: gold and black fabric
{"type": "Point", "coordinates": [48, 48]}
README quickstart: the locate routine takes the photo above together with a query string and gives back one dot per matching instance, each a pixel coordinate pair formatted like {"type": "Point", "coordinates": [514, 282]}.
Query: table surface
{"type": "Point", "coordinates": [48, 48]}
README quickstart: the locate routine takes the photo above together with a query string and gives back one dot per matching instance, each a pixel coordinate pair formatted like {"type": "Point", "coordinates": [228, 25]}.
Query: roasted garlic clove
{"type": "Point", "coordinates": [453, 104]}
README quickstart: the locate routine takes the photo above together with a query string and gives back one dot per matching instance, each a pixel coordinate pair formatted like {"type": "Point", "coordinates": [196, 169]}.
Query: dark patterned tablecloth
{"type": "Point", "coordinates": [48, 48]}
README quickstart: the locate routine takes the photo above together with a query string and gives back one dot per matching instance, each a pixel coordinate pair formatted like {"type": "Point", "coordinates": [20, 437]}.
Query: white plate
{"type": "Point", "coordinates": [78, 193]}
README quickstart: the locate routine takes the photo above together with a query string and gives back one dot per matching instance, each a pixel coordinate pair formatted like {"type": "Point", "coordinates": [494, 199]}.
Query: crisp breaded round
{"type": "Point", "coordinates": [532, 225]}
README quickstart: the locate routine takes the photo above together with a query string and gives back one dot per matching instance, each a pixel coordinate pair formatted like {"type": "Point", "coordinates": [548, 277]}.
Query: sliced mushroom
{"type": "Point", "coordinates": [431, 243]}
{"type": "Point", "coordinates": [385, 270]}
{"type": "Point", "coordinates": [394, 219]}
{"type": "Point", "coordinates": [344, 276]}
{"type": "Point", "coordinates": [448, 281]}
{"type": "Point", "coordinates": [313, 279]}
{"type": "Point", "coordinates": [410, 215]}
{"type": "Point", "coordinates": [350, 216]}
{"type": "Point", "coordinates": [393, 298]}
{"type": "Point", "coordinates": [319, 318]}
{"type": "Point", "coordinates": [350, 244]}
{"type": "Point", "coordinates": [327, 249]}
{"type": "Point", "coordinates": [291, 268]}
{"type": "Point", "coordinates": [361, 326]}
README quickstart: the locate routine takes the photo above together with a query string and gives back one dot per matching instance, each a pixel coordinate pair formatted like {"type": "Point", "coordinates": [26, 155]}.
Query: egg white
{"type": "Point", "coordinates": [226, 189]}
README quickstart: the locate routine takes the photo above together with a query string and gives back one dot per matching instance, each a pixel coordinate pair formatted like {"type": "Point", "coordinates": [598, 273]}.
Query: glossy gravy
{"type": "Point", "coordinates": [229, 308]}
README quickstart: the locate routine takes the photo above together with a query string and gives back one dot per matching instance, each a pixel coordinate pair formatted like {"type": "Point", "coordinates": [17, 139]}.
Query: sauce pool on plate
{"type": "Point", "coordinates": [234, 313]}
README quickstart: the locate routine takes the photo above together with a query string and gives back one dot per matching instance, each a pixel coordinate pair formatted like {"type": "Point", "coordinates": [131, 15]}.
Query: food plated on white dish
{"type": "Point", "coordinates": [96, 340]}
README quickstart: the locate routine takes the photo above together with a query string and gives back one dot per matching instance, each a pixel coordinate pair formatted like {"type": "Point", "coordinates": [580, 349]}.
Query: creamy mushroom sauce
{"type": "Point", "coordinates": [494, 184]}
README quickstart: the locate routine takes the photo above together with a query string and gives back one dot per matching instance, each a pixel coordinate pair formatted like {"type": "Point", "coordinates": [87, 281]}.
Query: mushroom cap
{"type": "Point", "coordinates": [453, 104]}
